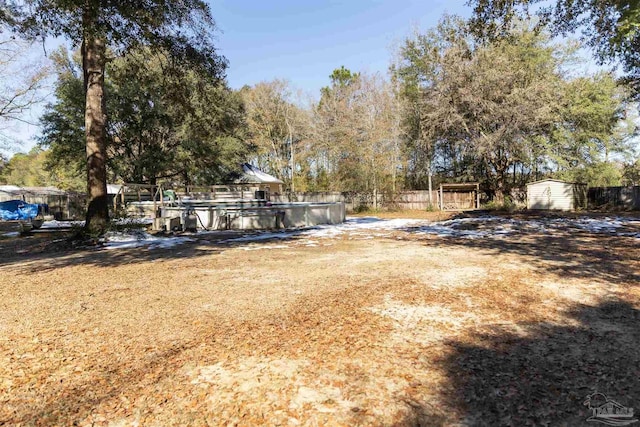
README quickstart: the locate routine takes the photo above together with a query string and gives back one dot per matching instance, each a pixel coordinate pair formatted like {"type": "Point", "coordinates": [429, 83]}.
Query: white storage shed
{"type": "Point", "coordinates": [553, 194]}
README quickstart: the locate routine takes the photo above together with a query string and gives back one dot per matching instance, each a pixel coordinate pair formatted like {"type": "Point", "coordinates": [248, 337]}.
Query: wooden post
{"type": "Point", "coordinates": [477, 196]}
{"type": "Point", "coordinates": [306, 215]}
{"type": "Point", "coordinates": [441, 199]}
{"type": "Point", "coordinates": [375, 199]}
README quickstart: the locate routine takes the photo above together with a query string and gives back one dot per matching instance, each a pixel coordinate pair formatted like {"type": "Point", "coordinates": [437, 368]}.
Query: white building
{"type": "Point", "coordinates": [265, 182]}
{"type": "Point", "coordinates": [553, 194]}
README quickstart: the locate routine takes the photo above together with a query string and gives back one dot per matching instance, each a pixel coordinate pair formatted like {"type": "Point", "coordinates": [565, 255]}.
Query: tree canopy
{"type": "Point", "coordinates": [164, 125]}
{"type": "Point", "coordinates": [502, 112]}
{"type": "Point", "coordinates": [276, 127]}
{"type": "Point", "coordinates": [356, 134]}
{"type": "Point", "coordinates": [184, 29]}
{"type": "Point", "coordinates": [610, 27]}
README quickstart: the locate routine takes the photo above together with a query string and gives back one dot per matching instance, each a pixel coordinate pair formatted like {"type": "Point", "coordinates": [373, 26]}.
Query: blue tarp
{"type": "Point", "coordinates": [17, 209]}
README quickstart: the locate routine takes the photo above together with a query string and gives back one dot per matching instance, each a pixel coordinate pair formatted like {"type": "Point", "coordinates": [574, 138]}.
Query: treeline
{"type": "Point", "coordinates": [453, 108]}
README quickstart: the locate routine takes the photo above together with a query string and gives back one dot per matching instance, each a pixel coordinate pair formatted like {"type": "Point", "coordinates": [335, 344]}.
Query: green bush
{"type": "Point", "coordinates": [507, 205]}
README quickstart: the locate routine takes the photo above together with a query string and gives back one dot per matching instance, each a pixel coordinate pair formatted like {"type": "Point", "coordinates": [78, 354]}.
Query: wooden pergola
{"type": "Point", "coordinates": [459, 197]}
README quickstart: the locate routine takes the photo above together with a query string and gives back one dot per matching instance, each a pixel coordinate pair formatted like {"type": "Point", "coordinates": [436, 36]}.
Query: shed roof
{"type": "Point", "coordinates": [253, 175]}
{"type": "Point", "coordinates": [460, 186]}
{"type": "Point", "coordinates": [45, 190]}
{"type": "Point", "coordinates": [555, 180]}
{"type": "Point", "coordinates": [10, 188]}
{"type": "Point", "coordinates": [114, 188]}
{"type": "Point", "coordinates": [14, 189]}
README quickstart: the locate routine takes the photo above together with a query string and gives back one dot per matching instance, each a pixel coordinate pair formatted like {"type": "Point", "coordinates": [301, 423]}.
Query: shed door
{"type": "Point", "coordinates": [546, 197]}
{"type": "Point", "coordinates": [539, 196]}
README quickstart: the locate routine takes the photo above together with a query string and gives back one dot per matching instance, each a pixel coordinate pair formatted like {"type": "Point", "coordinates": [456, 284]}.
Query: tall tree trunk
{"type": "Point", "coordinates": [93, 64]}
{"type": "Point", "coordinates": [291, 153]}
{"type": "Point", "coordinates": [430, 184]}
{"type": "Point", "coordinates": [500, 186]}
{"type": "Point", "coordinates": [293, 167]}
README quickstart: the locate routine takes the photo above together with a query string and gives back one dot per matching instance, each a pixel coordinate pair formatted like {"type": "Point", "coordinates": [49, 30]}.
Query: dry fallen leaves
{"type": "Point", "coordinates": [402, 330]}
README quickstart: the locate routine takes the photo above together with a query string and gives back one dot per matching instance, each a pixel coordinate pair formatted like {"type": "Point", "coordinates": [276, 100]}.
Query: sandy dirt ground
{"type": "Point", "coordinates": [507, 320]}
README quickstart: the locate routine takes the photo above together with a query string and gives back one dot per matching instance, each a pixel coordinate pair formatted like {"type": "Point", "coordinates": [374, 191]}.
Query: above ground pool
{"type": "Point", "coordinates": [241, 214]}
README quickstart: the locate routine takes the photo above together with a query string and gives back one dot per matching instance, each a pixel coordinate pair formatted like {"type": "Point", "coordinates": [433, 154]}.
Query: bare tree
{"type": "Point", "coordinates": [23, 81]}
{"type": "Point", "coordinates": [276, 127]}
{"type": "Point", "coordinates": [356, 127]}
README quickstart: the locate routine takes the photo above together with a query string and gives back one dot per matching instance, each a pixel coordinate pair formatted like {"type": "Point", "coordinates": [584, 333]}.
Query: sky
{"type": "Point", "coordinates": [304, 41]}
{"type": "Point", "coordinates": [301, 41]}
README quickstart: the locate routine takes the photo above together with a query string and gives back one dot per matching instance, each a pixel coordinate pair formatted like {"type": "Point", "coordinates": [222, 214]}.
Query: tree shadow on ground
{"type": "Point", "coordinates": [565, 251]}
{"type": "Point", "coordinates": [541, 374]}
{"type": "Point", "coordinates": [41, 254]}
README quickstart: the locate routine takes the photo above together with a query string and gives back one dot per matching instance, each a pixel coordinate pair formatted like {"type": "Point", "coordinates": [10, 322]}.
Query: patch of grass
{"type": "Point", "coordinates": [366, 210]}
{"type": "Point", "coordinates": [508, 205]}
{"type": "Point", "coordinates": [432, 208]}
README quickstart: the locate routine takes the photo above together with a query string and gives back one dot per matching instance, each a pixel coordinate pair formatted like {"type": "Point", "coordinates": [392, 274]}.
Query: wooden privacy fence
{"type": "Point", "coordinates": [453, 199]}
{"type": "Point", "coordinates": [448, 197]}
{"type": "Point", "coordinates": [614, 197]}
{"type": "Point", "coordinates": [415, 200]}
